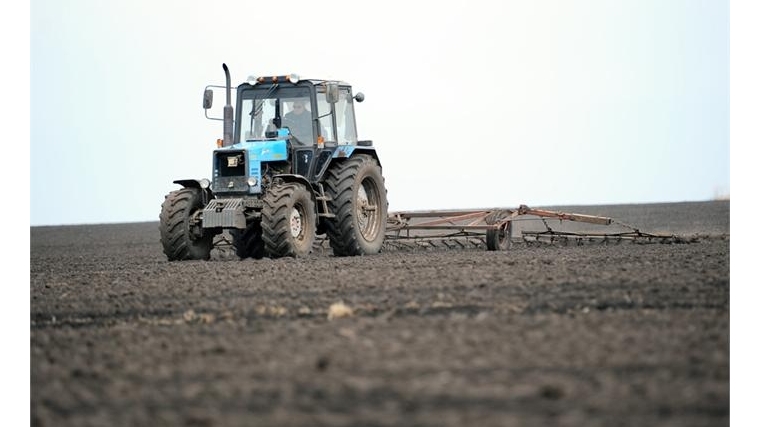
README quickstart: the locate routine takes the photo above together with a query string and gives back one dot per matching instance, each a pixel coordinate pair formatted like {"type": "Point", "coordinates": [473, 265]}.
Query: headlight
{"type": "Point", "coordinates": [252, 181]}
{"type": "Point", "coordinates": [205, 183]}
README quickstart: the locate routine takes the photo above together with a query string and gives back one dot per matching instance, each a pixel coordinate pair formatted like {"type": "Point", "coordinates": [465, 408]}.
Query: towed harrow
{"type": "Point", "coordinates": [495, 228]}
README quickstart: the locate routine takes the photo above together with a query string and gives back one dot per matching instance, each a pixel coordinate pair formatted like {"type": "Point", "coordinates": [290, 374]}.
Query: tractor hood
{"type": "Point", "coordinates": [238, 168]}
{"type": "Point", "coordinates": [263, 151]}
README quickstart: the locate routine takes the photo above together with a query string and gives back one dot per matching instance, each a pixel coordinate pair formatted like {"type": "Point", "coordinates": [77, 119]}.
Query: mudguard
{"type": "Point", "coordinates": [346, 151]}
{"type": "Point", "coordinates": [196, 183]}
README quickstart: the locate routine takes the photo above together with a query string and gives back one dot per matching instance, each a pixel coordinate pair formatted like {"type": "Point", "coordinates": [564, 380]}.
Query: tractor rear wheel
{"type": "Point", "coordinates": [181, 238]}
{"type": "Point", "coordinates": [288, 221]}
{"type": "Point", "coordinates": [356, 188]}
{"type": "Point", "coordinates": [248, 242]}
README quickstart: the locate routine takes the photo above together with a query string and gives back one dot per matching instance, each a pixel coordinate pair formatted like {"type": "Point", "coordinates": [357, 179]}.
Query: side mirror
{"type": "Point", "coordinates": [208, 99]}
{"type": "Point", "coordinates": [359, 97]}
{"type": "Point", "coordinates": [332, 92]}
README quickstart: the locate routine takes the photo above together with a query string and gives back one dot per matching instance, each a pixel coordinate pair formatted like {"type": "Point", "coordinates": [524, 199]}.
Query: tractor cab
{"type": "Point", "coordinates": [283, 125]}
{"type": "Point", "coordinates": [314, 112]}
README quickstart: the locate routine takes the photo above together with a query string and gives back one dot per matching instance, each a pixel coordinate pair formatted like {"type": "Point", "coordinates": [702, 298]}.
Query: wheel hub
{"type": "Point", "coordinates": [361, 204]}
{"type": "Point", "coordinates": [366, 200]}
{"type": "Point", "coordinates": [296, 227]}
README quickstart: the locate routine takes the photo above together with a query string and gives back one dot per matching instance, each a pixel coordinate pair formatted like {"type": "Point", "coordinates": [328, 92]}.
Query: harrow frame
{"type": "Point", "coordinates": [471, 228]}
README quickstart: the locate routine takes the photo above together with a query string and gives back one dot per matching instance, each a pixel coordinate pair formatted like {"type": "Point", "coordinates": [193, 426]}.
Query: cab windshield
{"type": "Point", "coordinates": [270, 109]}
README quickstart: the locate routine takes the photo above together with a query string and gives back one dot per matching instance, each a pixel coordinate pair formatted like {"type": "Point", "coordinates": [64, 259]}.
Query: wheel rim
{"type": "Point", "coordinates": [366, 209]}
{"type": "Point", "coordinates": [504, 234]}
{"type": "Point", "coordinates": [296, 224]}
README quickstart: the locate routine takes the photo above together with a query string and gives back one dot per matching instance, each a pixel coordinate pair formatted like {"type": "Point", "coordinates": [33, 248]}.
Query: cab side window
{"type": "Point", "coordinates": [325, 121]}
{"type": "Point", "coordinates": [344, 111]}
{"type": "Point", "coordinates": [345, 133]}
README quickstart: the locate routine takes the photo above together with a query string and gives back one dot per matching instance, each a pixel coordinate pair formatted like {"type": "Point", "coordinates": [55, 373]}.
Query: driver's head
{"type": "Point", "coordinates": [298, 107]}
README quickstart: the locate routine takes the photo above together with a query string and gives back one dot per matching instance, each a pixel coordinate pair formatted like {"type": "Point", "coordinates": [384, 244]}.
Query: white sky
{"type": "Point", "coordinates": [469, 103]}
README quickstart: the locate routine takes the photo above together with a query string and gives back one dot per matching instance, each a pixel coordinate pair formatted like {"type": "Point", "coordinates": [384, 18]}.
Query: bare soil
{"type": "Point", "coordinates": [592, 335]}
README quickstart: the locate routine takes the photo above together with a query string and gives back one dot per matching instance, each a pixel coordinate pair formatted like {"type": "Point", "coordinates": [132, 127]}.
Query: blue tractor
{"type": "Point", "coordinates": [290, 167]}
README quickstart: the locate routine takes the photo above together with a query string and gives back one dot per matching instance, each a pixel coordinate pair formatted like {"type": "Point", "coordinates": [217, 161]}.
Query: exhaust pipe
{"type": "Point", "coordinates": [227, 111]}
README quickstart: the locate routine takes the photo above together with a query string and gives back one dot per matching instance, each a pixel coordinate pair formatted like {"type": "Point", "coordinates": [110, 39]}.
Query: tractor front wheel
{"type": "Point", "coordinates": [181, 235]}
{"type": "Point", "coordinates": [248, 242]}
{"type": "Point", "coordinates": [288, 221]}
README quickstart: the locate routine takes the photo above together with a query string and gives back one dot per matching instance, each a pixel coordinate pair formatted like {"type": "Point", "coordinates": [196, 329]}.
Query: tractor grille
{"type": "Point", "coordinates": [230, 168]}
{"type": "Point", "coordinates": [224, 184]}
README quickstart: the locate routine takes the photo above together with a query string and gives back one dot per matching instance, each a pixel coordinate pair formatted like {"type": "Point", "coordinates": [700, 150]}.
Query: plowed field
{"type": "Point", "coordinates": [593, 335]}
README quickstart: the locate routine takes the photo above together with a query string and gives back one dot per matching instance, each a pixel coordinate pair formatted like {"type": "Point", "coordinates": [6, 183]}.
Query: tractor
{"type": "Point", "coordinates": [289, 167]}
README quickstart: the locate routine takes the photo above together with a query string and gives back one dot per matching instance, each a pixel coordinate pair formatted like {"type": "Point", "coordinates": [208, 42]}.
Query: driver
{"type": "Point", "coordinates": [298, 120]}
